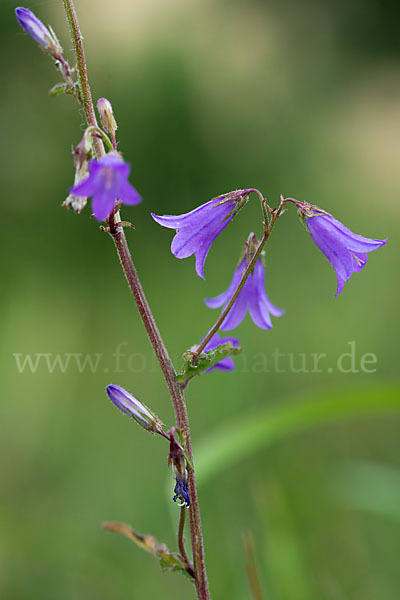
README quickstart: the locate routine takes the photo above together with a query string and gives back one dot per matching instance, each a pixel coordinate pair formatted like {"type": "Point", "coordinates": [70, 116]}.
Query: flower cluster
{"type": "Point", "coordinates": [197, 230]}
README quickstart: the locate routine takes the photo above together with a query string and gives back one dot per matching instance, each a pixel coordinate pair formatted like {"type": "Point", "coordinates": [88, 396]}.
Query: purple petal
{"type": "Point", "coordinates": [335, 251]}
{"type": "Point", "coordinates": [196, 230]}
{"type": "Point", "coordinates": [103, 204]}
{"type": "Point", "coordinates": [359, 260]}
{"type": "Point", "coordinates": [87, 187]}
{"type": "Point", "coordinates": [178, 221]}
{"type": "Point", "coordinates": [128, 195]}
{"type": "Point", "coordinates": [260, 315]}
{"type": "Point", "coordinates": [237, 312]}
{"type": "Point", "coordinates": [34, 27]}
{"type": "Point", "coordinates": [225, 296]}
{"type": "Point", "coordinates": [226, 364]}
{"type": "Point", "coordinates": [334, 230]}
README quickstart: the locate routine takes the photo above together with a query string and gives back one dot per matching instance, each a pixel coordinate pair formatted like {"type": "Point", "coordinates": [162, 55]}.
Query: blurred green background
{"type": "Point", "coordinates": [295, 98]}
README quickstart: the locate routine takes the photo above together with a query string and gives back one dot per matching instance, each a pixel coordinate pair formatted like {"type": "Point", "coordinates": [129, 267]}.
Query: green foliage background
{"type": "Point", "coordinates": [295, 98]}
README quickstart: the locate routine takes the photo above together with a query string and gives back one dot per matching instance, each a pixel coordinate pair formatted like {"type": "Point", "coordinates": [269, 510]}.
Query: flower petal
{"type": "Point", "coordinates": [237, 312]}
{"type": "Point", "coordinates": [128, 195]}
{"type": "Point", "coordinates": [225, 296]}
{"type": "Point", "coordinates": [103, 204]}
{"type": "Point", "coordinates": [333, 229]}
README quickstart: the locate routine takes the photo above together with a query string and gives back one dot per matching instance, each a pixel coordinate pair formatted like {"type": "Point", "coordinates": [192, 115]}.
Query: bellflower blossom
{"type": "Point", "coordinates": [226, 364]}
{"type": "Point", "coordinates": [134, 409]}
{"type": "Point", "coordinates": [38, 32]}
{"type": "Point", "coordinates": [252, 298]}
{"type": "Point", "coordinates": [107, 182]}
{"type": "Point", "coordinates": [196, 230]}
{"type": "Point", "coordinates": [345, 250]}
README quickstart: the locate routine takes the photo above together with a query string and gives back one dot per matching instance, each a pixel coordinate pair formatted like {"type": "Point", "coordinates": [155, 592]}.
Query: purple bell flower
{"type": "Point", "coordinates": [196, 230]}
{"type": "Point", "coordinates": [345, 250]}
{"type": "Point", "coordinates": [227, 364]}
{"type": "Point", "coordinates": [252, 297]}
{"type": "Point", "coordinates": [107, 182]}
{"type": "Point", "coordinates": [39, 32]}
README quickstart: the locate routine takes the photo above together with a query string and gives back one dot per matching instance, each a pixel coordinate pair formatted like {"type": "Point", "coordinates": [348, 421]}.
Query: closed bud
{"type": "Point", "coordinates": [107, 116]}
{"type": "Point", "coordinates": [43, 36]}
{"type": "Point", "coordinates": [134, 409]}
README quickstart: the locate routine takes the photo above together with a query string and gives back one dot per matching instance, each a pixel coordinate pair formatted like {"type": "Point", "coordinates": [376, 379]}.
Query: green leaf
{"type": "Point", "coordinates": [248, 434]}
{"type": "Point", "coordinates": [168, 560]}
{"type": "Point", "coordinates": [60, 88]}
{"type": "Point", "coordinates": [205, 361]}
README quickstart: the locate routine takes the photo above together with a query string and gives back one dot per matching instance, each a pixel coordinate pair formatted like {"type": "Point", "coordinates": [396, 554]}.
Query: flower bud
{"type": "Point", "coordinates": [135, 409]}
{"type": "Point", "coordinates": [107, 116]}
{"type": "Point", "coordinates": [40, 33]}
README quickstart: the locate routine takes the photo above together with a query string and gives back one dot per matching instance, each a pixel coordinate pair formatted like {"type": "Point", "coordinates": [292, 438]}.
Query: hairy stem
{"type": "Point", "coordinates": [178, 402]}
{"type": "Point", "coordinates": [181, 540]}
{"type": "Point", "coordinates": [118, 236]}
{"type": "Point", "coordinates": [86, 95]}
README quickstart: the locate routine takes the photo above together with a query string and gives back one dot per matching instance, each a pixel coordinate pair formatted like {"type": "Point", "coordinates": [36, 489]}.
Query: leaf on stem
{"type": "Point", "coordinates": [168, 560]}
{"type": "Point", "coordinates": [205, 361]}
{"type": "Point", "coordinates": [60, 88]}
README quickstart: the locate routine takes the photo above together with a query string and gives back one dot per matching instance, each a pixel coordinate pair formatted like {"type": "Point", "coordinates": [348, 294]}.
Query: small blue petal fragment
{"type": "Point", "coordinates": [181, 491]}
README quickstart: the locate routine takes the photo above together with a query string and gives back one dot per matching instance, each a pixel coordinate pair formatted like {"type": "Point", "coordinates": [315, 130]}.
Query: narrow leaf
{"type": "Point", "coordinates": [168, 560]}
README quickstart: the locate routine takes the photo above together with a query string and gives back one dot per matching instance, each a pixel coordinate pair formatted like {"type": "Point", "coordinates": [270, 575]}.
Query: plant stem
{"type": "Point", "coordinates": [118, 235]}
{"type": "Point", "coordinates": [267, 232]}
{"type": "Point", "coordinates": [86, 95]}
{"type": "Point", "coordinates": [178, 400]}
{"type": "Point", "coordinates": [181, 542]}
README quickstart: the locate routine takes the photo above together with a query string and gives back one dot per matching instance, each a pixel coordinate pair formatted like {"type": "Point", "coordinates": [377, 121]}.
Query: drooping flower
{"type": "Point", "coordinates": [39, 32]}
{"type": "Point", "coordinates": [226, 364]}
{"type": "Point", "coordinates": [252, 297]}
{"type": "Point", "coordinates": [107, 182]}
{"type": "Point", "coordinates": [345, 250]}
{"type": "Point", "coordinates": [196, 230]}
{"type": "Point", "coordinates": [134, 409]}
